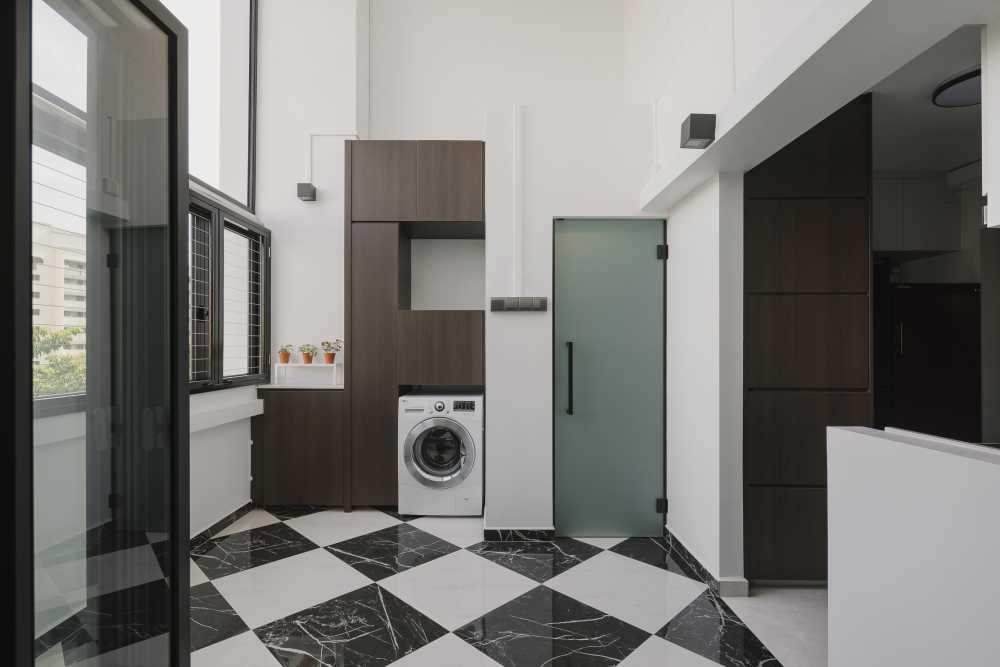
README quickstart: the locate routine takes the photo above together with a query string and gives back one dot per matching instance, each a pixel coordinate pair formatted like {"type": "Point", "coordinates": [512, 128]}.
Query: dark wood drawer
{"type": "Point", "coordinates": [786, 533]}
{"type": "Point", "coordinates": [383, 181]}
{"type": "Point", "coordinates": [450, 181]}
{"type": "Point", "coordinates": [440, 347]}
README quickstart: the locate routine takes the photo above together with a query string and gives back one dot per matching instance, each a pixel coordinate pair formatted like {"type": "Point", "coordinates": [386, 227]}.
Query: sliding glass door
{"type": "Point", "coordinates": [108, 325]}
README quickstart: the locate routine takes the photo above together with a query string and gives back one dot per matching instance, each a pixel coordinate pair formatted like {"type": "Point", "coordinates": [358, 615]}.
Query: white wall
{"type": "Point", "coordinates": [447, 274]}
{"type": "Point", "coordinates": [902, 557]}
{"type": "Point", "coordinates": [306, 91]}
{"type": "Point", "coordinates": [220, 453]}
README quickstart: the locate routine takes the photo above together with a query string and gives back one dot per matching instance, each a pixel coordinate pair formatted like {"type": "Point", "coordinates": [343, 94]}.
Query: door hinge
{"type": "Point", "coordinates": [661, 251]}
{"type": "Point", "coordinates": [661, 505]}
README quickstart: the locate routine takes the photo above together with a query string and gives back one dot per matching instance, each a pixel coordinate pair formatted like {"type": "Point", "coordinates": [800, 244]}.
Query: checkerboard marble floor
{"type": "Point", "coordinates": [306, 586]}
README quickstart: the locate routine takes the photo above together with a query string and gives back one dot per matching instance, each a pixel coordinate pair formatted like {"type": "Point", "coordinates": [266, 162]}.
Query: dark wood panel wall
{"type": "Point", "coordinates": [807, 334]}
{"type": "Point", "coordinates": [397, 190]}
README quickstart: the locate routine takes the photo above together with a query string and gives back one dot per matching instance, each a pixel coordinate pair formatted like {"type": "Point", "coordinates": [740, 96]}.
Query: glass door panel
{"type": "Point", "coordinates": [608, 312]}
{"type": "Point", "coordinates": [101, 330]}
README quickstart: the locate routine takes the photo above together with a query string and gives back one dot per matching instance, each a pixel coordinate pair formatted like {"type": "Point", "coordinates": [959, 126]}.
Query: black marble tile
{"type": "Point", "coordinates": [286, 512]}
{"type": "Point", "coordinates": [229, 554]}
{"type": "Point", "coordinates": [545, 627]}
{"type": "Point", "coordinates": [162, 552]}
{"type": "Point", "coordinates": [711, 629]}
{"type": "Point", "coordinates": [219, 525]}
{"type": "Point", "coordinates": [391, 550]}
{"type": "Point", "coordinates": [663, 553]}
{"type": "Point", "coordinates": [212, 618]}
{"type": "Point", "coordinates": [369, 626]}
{"type": "Point", "coordinates": [119, 619]}
{"type": "Point", "coordinates": [538, 560]}
{"type": "Point", "coordinates": [491, 535]}
{"type": "Point", "coordinates": [393, 511]}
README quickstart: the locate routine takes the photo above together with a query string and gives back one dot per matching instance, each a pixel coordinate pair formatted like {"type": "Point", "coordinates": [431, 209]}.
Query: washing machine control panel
{"type": "Point", "coordinates": [439, 406]}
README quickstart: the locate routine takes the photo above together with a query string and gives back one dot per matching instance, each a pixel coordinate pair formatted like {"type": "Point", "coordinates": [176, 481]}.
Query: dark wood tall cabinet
{"type": "Point", "coordinates": [807, 334]}
{"type": "Point", "coordinates": [398, 190]}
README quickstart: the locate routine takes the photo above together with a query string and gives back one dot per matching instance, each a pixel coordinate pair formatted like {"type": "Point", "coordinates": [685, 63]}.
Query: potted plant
{"type": "Point", "coordinates": [284, 353]}
{"type": "Point", "coordinates": [307, 351]}
{"type": "Point", "coordinates": [330, 349]}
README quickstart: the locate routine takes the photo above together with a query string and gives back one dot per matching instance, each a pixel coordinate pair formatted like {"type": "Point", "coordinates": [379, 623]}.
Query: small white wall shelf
{"type": "Point", "coordinates": [315, 375]}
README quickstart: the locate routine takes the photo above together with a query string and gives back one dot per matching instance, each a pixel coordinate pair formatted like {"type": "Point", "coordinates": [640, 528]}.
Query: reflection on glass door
{"type": "Point", "coordinates": [101, 332]}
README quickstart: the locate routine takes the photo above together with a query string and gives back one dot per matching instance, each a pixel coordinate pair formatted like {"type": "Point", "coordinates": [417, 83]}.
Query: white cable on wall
{"type": "Point", "coordinates": [517, 214]}
{"type": "Point", "coordinates": [309, 148]}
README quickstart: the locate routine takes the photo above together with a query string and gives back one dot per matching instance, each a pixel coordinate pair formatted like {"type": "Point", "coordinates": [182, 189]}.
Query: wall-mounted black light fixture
{"type": "Point", "coordinates": [698, 130]}
{"type": "Point", "coordinates": [306, 191]}
{"type": "Point", "coordinates": [964, 90]}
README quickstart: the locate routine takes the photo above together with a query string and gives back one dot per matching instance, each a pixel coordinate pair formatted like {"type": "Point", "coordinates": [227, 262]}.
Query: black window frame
{"type": "Point", "coordinates": [222, 211]}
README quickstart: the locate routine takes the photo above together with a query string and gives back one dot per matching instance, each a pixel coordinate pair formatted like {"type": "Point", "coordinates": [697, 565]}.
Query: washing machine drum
{"type": "Point", "coordinates": [439, 452]}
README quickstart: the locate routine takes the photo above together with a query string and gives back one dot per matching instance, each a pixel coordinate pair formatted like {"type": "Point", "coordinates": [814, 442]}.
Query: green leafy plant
{"type": "Point", "coordinates": [53, 371]}
{"type": "Point", "coordinates": [332, 346]}
{"type": "Point", "coordinates": [286, 348]}
{"type": "Point", "coordinates": [308, 348]}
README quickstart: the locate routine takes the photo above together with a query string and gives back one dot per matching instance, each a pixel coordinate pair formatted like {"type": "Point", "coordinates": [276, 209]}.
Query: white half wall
{"type": "Point", "coordinates": [990, 44]}
{"type": "Point", "coordinates": [905, 556]}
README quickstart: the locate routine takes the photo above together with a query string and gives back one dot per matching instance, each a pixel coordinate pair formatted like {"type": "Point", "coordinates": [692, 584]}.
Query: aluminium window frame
{"type": "Point", "coordinates": [222, 211]}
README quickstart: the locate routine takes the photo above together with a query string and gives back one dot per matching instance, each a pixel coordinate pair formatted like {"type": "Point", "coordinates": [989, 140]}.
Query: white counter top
{"type": "Point", "coordinates": [300, 386]}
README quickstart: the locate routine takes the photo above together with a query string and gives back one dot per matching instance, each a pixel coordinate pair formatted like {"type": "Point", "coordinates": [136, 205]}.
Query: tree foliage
{"type": "Point", "coordinates": [55, 371]}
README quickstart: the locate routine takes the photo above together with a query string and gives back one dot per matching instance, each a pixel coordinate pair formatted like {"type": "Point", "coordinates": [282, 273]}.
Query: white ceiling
{"type": "Point", "coordinates": [910, 133]}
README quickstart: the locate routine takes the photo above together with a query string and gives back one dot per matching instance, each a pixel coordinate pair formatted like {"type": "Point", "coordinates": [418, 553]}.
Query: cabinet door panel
{"type": "Point", "coordinates": [786, 533]}
{"type": "Point", "coordinates": [810, 341]}
{"type": "Point", "coordinates": [807, 245]}
{"type": "Point", "coordinates": [384, 181]}
{"type": "Point", "coordinates": [372, 349]}
{"type": "Point", "coordinates": [298, 448]}
{"type": "Point", "coordinates": [450, 181]}
{"type": "Point", "coordinates": [441, 347]}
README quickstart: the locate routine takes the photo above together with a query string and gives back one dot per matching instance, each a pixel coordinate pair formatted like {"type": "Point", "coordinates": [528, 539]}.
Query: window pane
{"type": "Point", "coordinates": [200, 298]}
{"type": "Point", "coordinates": [218, 91]}
{"type": "Point", "coordinates": [241, 322]}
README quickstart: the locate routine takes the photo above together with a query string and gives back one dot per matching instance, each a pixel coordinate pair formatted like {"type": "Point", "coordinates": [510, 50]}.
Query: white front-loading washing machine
{"type": "Point", "coordinates": [441, 454]}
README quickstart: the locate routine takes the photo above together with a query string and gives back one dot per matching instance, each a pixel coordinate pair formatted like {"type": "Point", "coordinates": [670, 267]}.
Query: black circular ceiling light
{"type": "Point", "coordinates": [963, 90]}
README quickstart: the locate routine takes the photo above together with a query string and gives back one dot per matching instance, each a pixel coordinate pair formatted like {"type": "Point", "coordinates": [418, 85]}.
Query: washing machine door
{"type": "Point", "coordinates": [439, 452]}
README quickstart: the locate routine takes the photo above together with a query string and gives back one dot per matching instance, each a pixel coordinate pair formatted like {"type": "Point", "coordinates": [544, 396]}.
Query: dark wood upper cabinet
{"type": "Point", "coordinates": [440, 347]}
{"type": "Point", "coordinates": [297, 456]}
{"type": "Point", "coordinates": [450, 181]}
{"type": "Point", "coordinates": [383, 181]}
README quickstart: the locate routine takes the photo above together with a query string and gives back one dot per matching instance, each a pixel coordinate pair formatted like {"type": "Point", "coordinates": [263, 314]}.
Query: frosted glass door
{"type": "Point", "coordinates": [608, 347]}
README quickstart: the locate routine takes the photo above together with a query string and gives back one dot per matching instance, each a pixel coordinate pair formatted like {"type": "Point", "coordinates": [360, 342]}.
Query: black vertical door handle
{"type": "Point", "coordinates": [569, 403]}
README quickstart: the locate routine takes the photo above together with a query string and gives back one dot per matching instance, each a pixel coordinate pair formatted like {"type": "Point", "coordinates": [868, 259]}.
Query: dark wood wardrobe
{"type": "Point", "coordinates": [807, 335]}
{"type": "Point", "coordinates": [397, 191]}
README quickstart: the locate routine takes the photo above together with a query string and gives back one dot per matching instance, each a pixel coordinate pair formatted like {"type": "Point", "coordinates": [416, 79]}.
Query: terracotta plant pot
{"type": "Point", "coordinates": [284, 357]}
{"type": "Point", "coordinates": [307, 358]}
{"type": "Point", "coordinates": [328, 357]}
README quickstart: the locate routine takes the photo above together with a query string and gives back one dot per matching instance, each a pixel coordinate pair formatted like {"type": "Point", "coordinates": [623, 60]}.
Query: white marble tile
{"type": "Point", "coordinates": [105, 573]}
{"type": "Point", "coordinates": [54, 657]}
{"type": "Point", "coordinates": [658, 652]}
{"type": "Point", "coordinates": [243, 650]}
{"type": "Point", "coordinates": [448, 650]}
{"type": "Point", "coordinates": [197, 576]}
{"type": "Point", "coordinates": [332, 526]}
{"type": "Point", "coordinates": [457, 588]}
{"type": "Point", "coordinates": [269, 592]}
{"type": "Point", "coordinates": [602, 542]}
{"type": "Point", "coordinates": [255, 518]}
{"type": "Point", "coordinates": [640, 594]}
{"type": "Point", "coordinates": [460, 531]}
{"type": "Point", "coordinates": [153, 652]}
{"type": "Point", "coordinates": [792, 622]}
